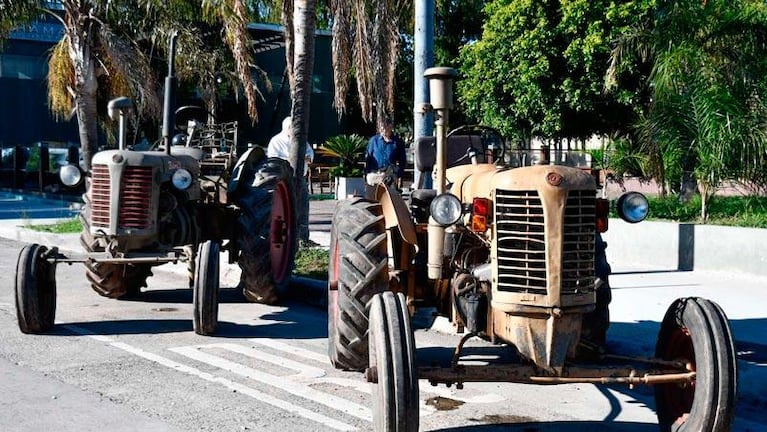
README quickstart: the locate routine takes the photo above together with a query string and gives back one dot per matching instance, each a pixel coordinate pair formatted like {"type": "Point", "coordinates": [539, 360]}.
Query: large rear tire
{"type": "Point", "coordinates": [392, 360]}
{"type": "Point", "coordinates": [35, 290]}
{"type": "Point", "coordinates": [205, 289]}
{"type": "Point", "coordinates": [267, 231]}
{"type": "Point", "coordinates": [357, 271]}
{"type": "Point", "coordinates": [695, 331]}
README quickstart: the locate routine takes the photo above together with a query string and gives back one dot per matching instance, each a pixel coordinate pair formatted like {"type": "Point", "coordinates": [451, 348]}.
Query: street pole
{"type": "Point", "coordinates": [423, 122]}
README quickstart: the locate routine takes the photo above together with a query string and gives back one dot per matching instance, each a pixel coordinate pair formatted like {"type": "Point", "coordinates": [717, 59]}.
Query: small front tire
{"type": "Point", "coordinates": [696, 332]}
{"type": "Point", "coordinates": [205, 288]}
{"type": "Point", "coordinates": [392, 358]}
{"type": "Point", "coordinates": [35, 290]}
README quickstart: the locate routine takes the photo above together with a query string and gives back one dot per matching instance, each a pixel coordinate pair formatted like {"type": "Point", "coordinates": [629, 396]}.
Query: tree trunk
{"type": "Point", "coordinates": [86, 84]}
{"type": "Point", "coordinates": [302, 61]}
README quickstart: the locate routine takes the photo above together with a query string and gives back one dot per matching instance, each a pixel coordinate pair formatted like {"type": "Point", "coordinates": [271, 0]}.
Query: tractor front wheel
{"type": "Point", "coordinates": [35, 290]}
{"type": "Point", "coordinates": [695, 332]}
{"type": "Point", "coordinates": [392, 365]}
{"type": "Point", "coordinates": [205, 288]}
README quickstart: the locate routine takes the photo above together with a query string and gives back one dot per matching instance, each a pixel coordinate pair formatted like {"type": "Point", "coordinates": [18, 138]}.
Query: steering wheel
{"type": "Point", "coordinates": [489, 139]}
{"type": "Point", "coordinates": [191, 112]}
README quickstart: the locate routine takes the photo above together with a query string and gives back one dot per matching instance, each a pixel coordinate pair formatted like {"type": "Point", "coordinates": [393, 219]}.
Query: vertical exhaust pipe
{"type": "Point", "coordinates": [169, 101]}
{"type": "Point", "coordinates": [441, 95]}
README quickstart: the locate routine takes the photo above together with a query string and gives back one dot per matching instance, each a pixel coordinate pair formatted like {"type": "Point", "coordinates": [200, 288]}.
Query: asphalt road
{"type": "Point", "coordinates": [138, 366]}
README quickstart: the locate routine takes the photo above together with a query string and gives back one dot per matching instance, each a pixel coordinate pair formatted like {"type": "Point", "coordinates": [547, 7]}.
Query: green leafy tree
{"type": "Point", "coordinates": [538, 69]}
{"type": "Point", "coordinates": [706, 120]}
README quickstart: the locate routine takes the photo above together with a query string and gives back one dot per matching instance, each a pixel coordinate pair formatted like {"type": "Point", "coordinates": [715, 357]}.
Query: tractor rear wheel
{"type": "Point", "coordinates": [267, 231]}
{"type": "Point", "coordinates": [35, 290]}
{"type": "Point", "coordinates": [205, 289]}
{"type": "Point", "coordinates": [392, 363]}
{"type": "Point", "coordinates": [695, 331]}
{"type": "Point", "coordinates": [357, 271]}
{"type": "Point", "coordinates": [117, 280]}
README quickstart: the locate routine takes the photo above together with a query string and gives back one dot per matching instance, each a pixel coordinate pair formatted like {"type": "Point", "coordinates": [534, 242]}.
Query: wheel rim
{"type": "Point", "coordinates": [679, 397]}
{"type": "Point", "coordinates": [281, 233]}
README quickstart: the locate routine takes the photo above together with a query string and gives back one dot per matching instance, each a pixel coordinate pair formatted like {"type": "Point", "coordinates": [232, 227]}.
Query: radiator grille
{"type": "Point", "coordinates": [578, 247]}
{"type": "Point", "coordinates": [100, 196]}
{"type": "Point", "coordinates": [135, 196]}
{"type": "Point", "coordinates": [522, 247]}
{"type": "Point", "coordinates": [521, 243]}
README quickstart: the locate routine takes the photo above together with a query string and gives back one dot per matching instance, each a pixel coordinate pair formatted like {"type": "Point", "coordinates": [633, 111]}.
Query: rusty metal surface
{"type": "Point", "coordinates": [174, 256]}
{"type": "Point", "coordinates": [547, 338]}
{"type": "Point", "coordinates": [396, 212]}
{"type": "Point", "coordinates": [529, 374]}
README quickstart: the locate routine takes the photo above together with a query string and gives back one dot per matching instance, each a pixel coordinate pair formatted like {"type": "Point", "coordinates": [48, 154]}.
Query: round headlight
{"type": "Point", "coordinates": [633, 207]}
{"type": "Point", "coordinates": [181, 179]}
{"type": "Point", "coordinates": [70, 175]}
{"type": "Point", "coordinates": [446, 209]}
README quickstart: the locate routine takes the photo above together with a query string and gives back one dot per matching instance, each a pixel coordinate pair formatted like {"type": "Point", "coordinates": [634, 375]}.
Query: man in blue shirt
{"type": "Point", "coordinates": [385, 150]}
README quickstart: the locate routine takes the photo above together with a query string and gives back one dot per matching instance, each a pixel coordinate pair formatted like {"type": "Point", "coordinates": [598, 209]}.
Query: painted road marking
{"type": "Point", "coordinates": [363, 386]}
{"type": "Point", "coordinates": [280, 382]}
{"type": "Point", "coordinates": [290, 349]}
{"type": "Point", "coordinates": [305, 372]}
{"type": "Point", "coordinates": [255, 394]}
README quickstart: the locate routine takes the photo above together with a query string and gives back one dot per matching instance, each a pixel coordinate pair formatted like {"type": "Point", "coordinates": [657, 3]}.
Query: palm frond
{"type": "Point", "coordinates": [61, 79]}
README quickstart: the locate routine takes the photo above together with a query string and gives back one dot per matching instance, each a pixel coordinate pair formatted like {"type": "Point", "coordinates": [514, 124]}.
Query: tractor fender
{"type": "Point", "coordinates": [395, 212]}
{"type": "Point", "coordinates": [248, 160]}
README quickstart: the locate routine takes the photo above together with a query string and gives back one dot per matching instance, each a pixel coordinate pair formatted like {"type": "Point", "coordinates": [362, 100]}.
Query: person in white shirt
{"type": "Point", "coordinates": [279, 145]}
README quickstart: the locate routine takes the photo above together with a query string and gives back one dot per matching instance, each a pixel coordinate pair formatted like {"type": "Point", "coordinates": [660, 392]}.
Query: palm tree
{"type": "Point", "coordinates": [214, 43]}
{"type": "Point", "coordinates": [105, 43]}
{"type": "Point", "coordinates": [708, 92]}
{"type": "Point", "coordinates": [366, 42]}
{"type": "Point", "coordinates": [93, 51]}
{"type": "Point", "coordinates": [300, 22]}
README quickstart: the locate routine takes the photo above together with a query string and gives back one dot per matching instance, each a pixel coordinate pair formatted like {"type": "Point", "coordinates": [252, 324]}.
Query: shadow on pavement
{"type": "Point", "coordinates": [511, 423]}
{"type": "Point", "coordinates": [294, 322]}
{"type": "Point", "coordinates": [637, 272]}
{"type": "Point", "coordinates": [122, 327]}
{"type": "Point", "coordinates": [183, 295]}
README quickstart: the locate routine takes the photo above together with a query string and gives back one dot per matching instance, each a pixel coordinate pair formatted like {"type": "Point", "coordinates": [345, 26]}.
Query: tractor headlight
{"type": "Point", "coordinates": [446, 209]}
{"type": "Point", "coordinates": [633, 207]}
{"type": "Point", "coordinates": [70, 175]}
{"type": "Point", "coordinates": [181, 179]}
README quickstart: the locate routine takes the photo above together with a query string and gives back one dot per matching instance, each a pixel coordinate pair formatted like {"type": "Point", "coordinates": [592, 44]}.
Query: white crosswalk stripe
{"type": "Point", "coordinates": [280, 382]}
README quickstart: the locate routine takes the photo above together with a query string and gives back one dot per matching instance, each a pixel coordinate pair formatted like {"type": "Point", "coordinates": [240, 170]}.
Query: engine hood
{"type": "Point", "coordinates": [479, 181]}
{"type": "Point", "coordinates": [155, 159]}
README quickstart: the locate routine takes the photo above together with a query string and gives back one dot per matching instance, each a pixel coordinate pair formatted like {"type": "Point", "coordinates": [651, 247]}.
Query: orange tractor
{"type": "Point", "coordinates": [513, 256]}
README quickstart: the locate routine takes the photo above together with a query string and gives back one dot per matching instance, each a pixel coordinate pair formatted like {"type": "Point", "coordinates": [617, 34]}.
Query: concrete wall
{"type": "Point", "coordinates": [673, 246]}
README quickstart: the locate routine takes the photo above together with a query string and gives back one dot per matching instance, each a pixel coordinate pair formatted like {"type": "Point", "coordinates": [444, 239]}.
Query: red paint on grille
{"type": "Point", "coordinates": [135, 197]}
{"type": "Point", "coordinates": [100, 196]}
